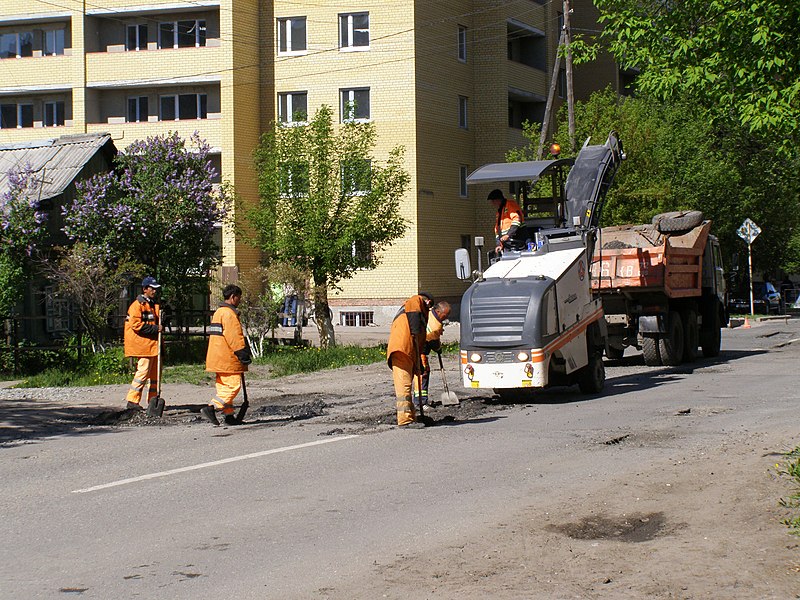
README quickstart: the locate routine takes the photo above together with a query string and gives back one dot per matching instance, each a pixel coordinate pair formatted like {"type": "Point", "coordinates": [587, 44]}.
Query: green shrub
{"type": "Point", "coordinates": [287, 360]}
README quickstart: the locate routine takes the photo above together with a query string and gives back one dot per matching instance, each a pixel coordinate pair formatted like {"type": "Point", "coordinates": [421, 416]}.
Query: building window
{"type": "Point", "coordinates": [462, 181]}
{"type": "Point", "coordinates": [182, 34]}
{"type": "Point", "coordinates": [362, 251]}
{"type": "Point", "coordinates": [294, 179]}
{"type": "Point", "coordinates": [357, 318]}
{"type": "Point", "coordinates": [293, 107]}
{"type": "Point", "coordinates": [462, 43]}
{"type": "Point", "coordinates": [53, 42]}
{"type": "Point", "coordinates": [356, 177]}
{"type": "Point", "coordinates": [16, 45]}
{"type": "Point", "coordinates": [216, 165]}
{"type": "Point", "coordinates": [292, 35]}
{"type": "Point", "coordinates": [183, 106]}
{"type": "Point", "coordinates": [466, 241]}
{"type": "Point", "coordinates": [354, 31]}
{"type": "Point", "coordinates": [137, 109]}
{"type": "Point", "coordinates": [463, 122]}
{"type": "Point", "coordinates": [136, 38]}
{"type": "Point", "coordinates": [54, 114]}
{"type": "Point", "coordinates": [355, 104]}
{"type": "Point", "coordinates": [16, 115]}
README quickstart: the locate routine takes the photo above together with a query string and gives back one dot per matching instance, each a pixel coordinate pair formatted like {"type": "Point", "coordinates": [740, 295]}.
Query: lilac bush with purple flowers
{"type": "Point", "coordinates": [160, 207]}
{"type": "Point", "coordinates": [22, 229]}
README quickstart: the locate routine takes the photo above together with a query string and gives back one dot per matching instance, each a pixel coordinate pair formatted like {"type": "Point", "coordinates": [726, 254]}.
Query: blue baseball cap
{"type": "Point", "coordinates": [150, 282]}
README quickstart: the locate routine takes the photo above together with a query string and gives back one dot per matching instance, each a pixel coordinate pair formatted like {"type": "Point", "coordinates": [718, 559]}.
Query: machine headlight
{"type": "Point", "coordinates": [522, 356]}
{"type": "Point", "coordinates": [475, 357]}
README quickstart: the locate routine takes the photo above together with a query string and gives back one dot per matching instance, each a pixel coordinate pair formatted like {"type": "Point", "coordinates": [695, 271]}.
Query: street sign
{"type": "Point", "coordinates": [748, 231]}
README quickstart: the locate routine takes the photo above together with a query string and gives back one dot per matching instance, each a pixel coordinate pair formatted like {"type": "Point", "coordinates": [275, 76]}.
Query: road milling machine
{"type": "Point", "coordinates": [530, 319]}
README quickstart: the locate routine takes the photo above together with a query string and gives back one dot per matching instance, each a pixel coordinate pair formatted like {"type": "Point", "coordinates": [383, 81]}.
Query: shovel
{"type": "Point", "coordinates": [155, 408]}
{"type": "Point", "coordinates": [448, 398]}
{"type": "Point", "coordinates": [245, 404]}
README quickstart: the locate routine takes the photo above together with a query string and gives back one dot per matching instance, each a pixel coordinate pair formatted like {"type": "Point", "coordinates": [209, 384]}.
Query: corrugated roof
{"type": "Point", "coordinates": [61, 159]}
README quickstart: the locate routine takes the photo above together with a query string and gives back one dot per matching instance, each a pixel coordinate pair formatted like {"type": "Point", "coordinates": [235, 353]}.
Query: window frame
{"type": "Point", "coordinates": [18, 44]}
{"type": "Point", "coordinates": [138, 101]}
{"type": "Point", "coordinates": [175, 32]}
{"type": "Point", "coordinates": [200, 99]}
{"type": "Point", "coordinates": [54, 105]}
{"type": "Point", "coordinates": [463, 112]}
{"type": "Point", "coordinates": [289, 117]}
{"type": "Point", "coordinates": [345, 104]}
{"type": "Point", "coordinates": [461, 37]}
{"type": "Point", "coordinates": [137, 27]}
{"type": "Point", "coordinates": [357, 171]}
{"type": "Point", "coordinates": [463, 172]}
{"type": "Point", "coordinates": [284, 30]}
{"type": "Point", "coordinates": [346, 26]}
{"type": "Point", "coordinates": [18, 115]}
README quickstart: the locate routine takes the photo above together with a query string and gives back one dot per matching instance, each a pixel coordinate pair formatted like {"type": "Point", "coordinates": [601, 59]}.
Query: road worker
{"type": "Point", "coordinates": [404, 352]}
{"type": "Point", "coordinates": [142, 325]}
{"type": "Point", "coordinates": [509, 219]}
{"type": "Point", "coordinates": [433, 343]}
{"type": "Point", "coordinates": [228, 356]}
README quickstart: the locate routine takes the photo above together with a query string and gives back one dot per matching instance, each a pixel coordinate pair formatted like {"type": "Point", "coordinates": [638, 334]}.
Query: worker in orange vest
{"type": "Point", "coordinates": [404, 352]}
{"type": "Point", "coordinates": [509, 219]}
{"type": "Point", "coordinates": [228, 356]}
{"type": "Point", "coordinates": [142, 325]}
{"type": "Point", "coordinates": [433, 343]}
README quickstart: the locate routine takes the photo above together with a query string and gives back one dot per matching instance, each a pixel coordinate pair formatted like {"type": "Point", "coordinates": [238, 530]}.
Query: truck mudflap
{"type": "Point", "coordinates": [652, 324]}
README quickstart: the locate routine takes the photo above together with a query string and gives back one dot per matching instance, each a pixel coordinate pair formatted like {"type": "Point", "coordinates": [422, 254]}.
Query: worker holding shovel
{"type": "Point", "coordinates": [433, 335]}
{"type": "Point", "coordinates": [142, 329]}
{"type": "Point", "coordinates": [228, 356]}
{"type": "Point", "coordinates": [406, 344]}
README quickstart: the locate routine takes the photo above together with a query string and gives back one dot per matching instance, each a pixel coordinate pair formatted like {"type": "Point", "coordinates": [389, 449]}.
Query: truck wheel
{"type": "Point", "coordinates": [670, 346]}
{"type": "Point", "coordinates": [650, 351]}
{"type": "Point", "coordinates": [678, 222]}
{"type": "Point", "coordinates": [614, 353]}
{"type": "Point", "coordinates": [711, 339]}
{"type": "Point", "coordinates": [593, 375]}
{"type": "Point", "coordinates": [690, 336]}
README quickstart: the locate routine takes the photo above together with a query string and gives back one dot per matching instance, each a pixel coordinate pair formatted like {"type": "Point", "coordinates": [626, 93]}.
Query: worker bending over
{"type": "Point", "coordinates": [433, 343]}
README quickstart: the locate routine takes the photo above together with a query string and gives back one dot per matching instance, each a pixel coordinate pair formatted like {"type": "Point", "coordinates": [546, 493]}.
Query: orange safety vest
{"type": "Point", "coordinates": [225, 336]}
{"type": "Point", "coordinates": [141, 328]}
{"type": "Point", "coordinates": [508, 215]}
{"type": "Point", "coordinates": [408, 327]}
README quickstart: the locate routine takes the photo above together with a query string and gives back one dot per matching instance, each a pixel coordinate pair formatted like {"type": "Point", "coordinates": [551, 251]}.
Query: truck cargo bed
{"type": "Point", "coordinates": [637, 258]}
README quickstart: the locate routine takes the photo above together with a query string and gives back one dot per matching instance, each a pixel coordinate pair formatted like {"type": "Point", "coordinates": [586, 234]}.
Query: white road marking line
{"type": "Point", "coordinates": [215, 463]}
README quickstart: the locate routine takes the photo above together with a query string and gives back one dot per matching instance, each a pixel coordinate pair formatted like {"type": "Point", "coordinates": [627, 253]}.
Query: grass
{"type": "Point", "coordinates": [792, 469]}
{"type": "Point", "coordinates": [288, 360]}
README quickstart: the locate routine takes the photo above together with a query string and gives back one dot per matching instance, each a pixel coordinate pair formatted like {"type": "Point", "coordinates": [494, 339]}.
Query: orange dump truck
{"type": "Point", "coordinates": [662, 288]}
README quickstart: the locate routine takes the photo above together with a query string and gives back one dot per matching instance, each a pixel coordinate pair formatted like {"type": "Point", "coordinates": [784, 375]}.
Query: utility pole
{"type": "Point", "coordinates": [548, 108]}
{"type": "Point", "coordinates": [567, 33]}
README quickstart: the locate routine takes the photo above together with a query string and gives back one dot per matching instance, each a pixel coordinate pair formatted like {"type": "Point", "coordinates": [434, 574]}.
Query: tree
{"type": "Point", "coordinates": [158, 207]}
{"type": "Point", "coordinates": [738, 59]}
{"type": "Point", "coordinates": [326, 207]}
{"type": "Point", "coordinates": [82, 276]}
{"type": "Point", "coordinates": [22, 229]}
{"type": "Point", "coordinates": [678, 158]}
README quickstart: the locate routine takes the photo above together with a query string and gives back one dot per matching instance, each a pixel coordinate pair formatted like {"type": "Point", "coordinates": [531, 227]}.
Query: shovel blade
{"type": "Point", "coordinates": [449, 399]}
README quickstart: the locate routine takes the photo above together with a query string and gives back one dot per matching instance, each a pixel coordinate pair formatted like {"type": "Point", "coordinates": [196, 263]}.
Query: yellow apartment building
{"type": "Point", "coordinates": [450, 80]}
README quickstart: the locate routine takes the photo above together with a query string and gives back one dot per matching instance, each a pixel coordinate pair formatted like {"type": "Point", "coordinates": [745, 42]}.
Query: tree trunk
{"type": "Point", "coordinates": [322, 315]}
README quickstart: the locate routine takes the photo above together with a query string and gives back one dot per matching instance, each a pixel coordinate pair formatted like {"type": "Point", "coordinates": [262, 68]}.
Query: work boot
{"type": "Point", "coordinates": [133, 406]}
{"type": "Point", "coordinates": [209, 415]}
{"type": "Point", "coordinates": [415, 425]}
{"type": "Point", "coordinates": [231, 420]}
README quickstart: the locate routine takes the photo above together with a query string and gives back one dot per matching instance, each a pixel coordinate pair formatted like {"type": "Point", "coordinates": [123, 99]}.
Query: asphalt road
{"type": "Point", "coordinates": [294, 512]}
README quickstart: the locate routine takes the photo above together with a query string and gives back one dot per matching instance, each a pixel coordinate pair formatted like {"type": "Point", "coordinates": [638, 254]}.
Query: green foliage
{"type": "Point", "coordinates": [22, 230]}
{"type": "Point", "coordinates": [159, 206]}
{"type": "Point", "coordinates": [737, 59]}
{"type": "Point", "coordinates": [678, 158]}
{"type": "Point", "coordinates": [326, 207]}
{"type": "Point", "coordinates": [792, 470]}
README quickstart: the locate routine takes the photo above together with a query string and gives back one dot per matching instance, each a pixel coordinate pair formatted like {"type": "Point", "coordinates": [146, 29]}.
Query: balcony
{"type": "Point", "coordinates": [25, 75]}
{"type": "Point", "coordinates": [123, 134]}
{"type": "Point", "coordinates": [27, 134]}
{"type": "Point", "coordinates": [154, 68]}
{"type": "Point", "coordinates": [527, 78]}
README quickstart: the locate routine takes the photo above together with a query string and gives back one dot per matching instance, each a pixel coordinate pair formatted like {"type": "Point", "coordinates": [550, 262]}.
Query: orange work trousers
{"type": "Point", "coordinates": [228, 386]}
{"type": "Point", "coordinates": [146, 369]}
{"type": "Point", "coordinates": [403, 376]}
